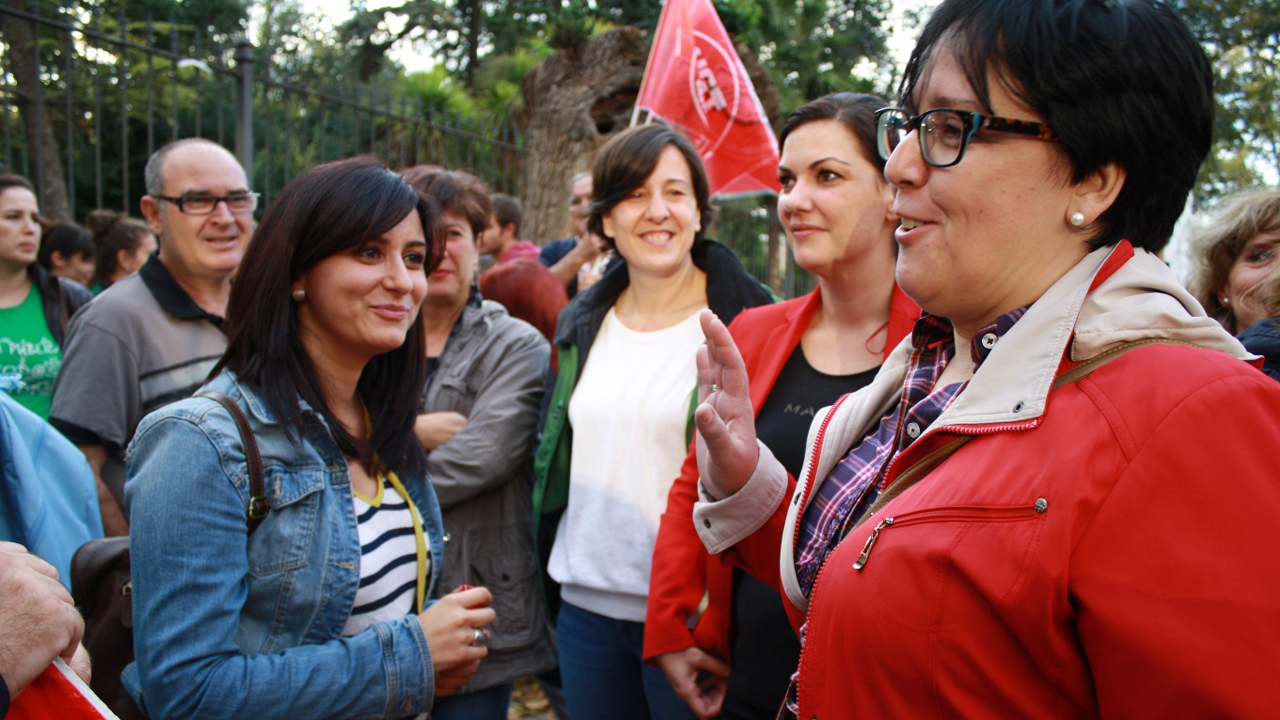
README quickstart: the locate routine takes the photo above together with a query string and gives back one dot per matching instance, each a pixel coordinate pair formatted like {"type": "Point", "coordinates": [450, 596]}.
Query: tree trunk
{"type": "Point", "coordinates": [20, 36]}
{"type": "Point", "coordinates": [574, 100]}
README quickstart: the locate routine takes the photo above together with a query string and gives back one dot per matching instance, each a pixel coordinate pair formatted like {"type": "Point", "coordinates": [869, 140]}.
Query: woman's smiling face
{"type": "Point", "coordinates": [1259, 258]}
{"type": "Point", "coordinates": [988, 235]}
{"type": "Point", "coordinates": [654, 226]}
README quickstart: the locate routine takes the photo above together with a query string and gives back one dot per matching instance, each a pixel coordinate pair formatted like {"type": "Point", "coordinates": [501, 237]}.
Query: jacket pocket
{"type": "Point", "coordinates": [942, 566]}
{"type": "Point", "coordinates": [283, 541]}
{"type": "Point", "coordinates": [508, 569]}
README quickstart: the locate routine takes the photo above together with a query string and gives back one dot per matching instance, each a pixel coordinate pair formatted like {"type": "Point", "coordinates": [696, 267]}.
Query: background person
{"type": "Point", "coordinates": [801, 355]}
{"type": "Point", "coordinates": [1263, 337]}
{"type": "Point", "coordinates": [501, 236]}
{"type": "Point", "coordinates": [1235, 251]}
{"type": "Point", "coordinates": [487, 371]}
{"type": "Point", "coordinates": [567, 257]}
{"type": "Point", "coordinates": [967, 540]}
{"type": "Point", "coordinates": [322, 610]}
{"type": "Point", "coordinates": [66, 250]}
{"type": "Point", "coordinates": [121, 246]}
{"type": "Point", "coordinates": [34, 305]}
{"type": "Point", "coordinates": [154, 337]}
{"type": "Point", "coordinates": [618, 423]}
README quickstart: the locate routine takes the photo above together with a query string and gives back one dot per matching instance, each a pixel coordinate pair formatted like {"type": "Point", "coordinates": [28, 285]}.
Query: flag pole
{"type": "Point", "coordinates": [635, 110]}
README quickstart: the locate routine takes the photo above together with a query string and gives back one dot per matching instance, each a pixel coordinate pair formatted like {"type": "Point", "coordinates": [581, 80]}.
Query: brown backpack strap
{"type": "Point", "coordinates": [926, 465]}
{"type": "Point", "coordinates": [258, 505]}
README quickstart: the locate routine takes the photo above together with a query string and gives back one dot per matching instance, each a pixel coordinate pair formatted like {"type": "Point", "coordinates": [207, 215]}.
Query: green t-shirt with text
{"type": "Point", "coordinates": [28, 351]}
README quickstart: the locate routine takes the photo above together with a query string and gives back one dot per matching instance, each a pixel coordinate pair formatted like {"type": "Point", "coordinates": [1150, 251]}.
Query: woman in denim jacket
{"type": "Point", "coordinates": [325, 359]}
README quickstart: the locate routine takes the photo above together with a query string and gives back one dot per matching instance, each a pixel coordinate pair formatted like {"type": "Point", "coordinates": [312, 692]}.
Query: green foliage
{"type": "Point", "coordinates": [436, 89]}
{"type": "Point", "coordinates": [1242, 38]}
{"type": "Point", "coordinates": [497, 91]}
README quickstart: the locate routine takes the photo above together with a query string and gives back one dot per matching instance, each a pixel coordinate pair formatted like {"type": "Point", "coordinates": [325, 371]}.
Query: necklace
{"type": "Point", "coordinates": [879, 330]}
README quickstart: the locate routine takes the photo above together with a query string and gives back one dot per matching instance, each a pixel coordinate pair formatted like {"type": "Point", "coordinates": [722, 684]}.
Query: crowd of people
{"type": "Point", "coordinates": [999, 462]}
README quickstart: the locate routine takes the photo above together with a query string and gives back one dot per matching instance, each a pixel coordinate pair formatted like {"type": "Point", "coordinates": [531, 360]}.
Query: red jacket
{"type": "Point", "coordinates": [1107, 549]}
{"type": "Point", "coordinates": [681, 574]}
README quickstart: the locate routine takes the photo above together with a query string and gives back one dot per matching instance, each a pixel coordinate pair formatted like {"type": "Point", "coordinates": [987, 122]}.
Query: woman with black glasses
{"type": "Point", "coordinates": [1056, 498]}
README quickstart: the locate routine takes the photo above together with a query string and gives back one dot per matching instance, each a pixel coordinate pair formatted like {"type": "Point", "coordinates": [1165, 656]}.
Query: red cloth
{"type": "Point", "coordinates": [682, 571]}
{"type": "Point", "coordinates": [976, 604]}
{"type": "Point", "coordinates": [695, 80]}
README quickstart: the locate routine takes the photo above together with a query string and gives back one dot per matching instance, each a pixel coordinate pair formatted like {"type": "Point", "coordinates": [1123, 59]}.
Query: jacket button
{"type": "Point", "coordinates": [1042, 505]}
{"type": "Point", "coordinates": [447, 537]}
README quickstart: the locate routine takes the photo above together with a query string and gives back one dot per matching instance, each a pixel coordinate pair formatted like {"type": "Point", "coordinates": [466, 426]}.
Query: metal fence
{"type": "Point", "coordinates": [750, 226]}
{"type": "Point", "coordinates": [111, 90]}
{"type": "Point", "coordinates": [107, 91]}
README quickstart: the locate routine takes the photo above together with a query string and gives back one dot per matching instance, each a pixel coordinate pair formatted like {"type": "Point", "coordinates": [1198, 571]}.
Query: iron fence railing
{"type": "Point", "coordinates": [111, 92]}
{"type": "Point", "coordinates": [98, 94]}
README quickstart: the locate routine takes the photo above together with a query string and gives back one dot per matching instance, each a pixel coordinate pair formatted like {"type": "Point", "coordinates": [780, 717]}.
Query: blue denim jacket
{"type": "Point", "coordinates": [232, 625]}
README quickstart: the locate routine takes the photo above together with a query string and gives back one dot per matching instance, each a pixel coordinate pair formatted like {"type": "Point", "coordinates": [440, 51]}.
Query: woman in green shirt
{"type": "Point", "coordinates": [34, 305]}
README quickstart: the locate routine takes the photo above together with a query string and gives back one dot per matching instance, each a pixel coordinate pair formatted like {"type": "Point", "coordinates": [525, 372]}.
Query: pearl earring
{"type": "Point", "coordinates": [299, 295]}
{"type": "Point", "coordinates": [1077, 219]}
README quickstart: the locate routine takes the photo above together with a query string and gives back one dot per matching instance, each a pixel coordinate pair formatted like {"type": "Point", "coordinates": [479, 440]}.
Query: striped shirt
{"type": "Point", "coordinates": [859, 478]}
{"type": "Point", "coordinates": [393, 557]}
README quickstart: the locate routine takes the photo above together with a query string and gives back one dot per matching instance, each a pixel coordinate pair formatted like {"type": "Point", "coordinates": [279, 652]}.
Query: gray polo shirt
{"type": "Point", "coordinates": [141, 344]}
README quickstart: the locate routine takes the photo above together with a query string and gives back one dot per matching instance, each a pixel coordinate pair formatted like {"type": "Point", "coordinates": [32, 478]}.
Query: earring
{"type": "Point", "coordinates": [1077, 219]}
{"type": "Point", "coordinates": [1225, 300]}
{"type": "Point", "coordinates": [299, 295]}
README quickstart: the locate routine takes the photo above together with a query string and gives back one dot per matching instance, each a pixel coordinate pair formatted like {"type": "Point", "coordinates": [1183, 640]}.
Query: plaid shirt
{"type": "Point", "coordinates": [859, 478]}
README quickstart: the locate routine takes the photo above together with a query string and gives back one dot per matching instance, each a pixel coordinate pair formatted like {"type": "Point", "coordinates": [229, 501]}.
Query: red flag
{"type": "Point", "coordinates": [695, 80]}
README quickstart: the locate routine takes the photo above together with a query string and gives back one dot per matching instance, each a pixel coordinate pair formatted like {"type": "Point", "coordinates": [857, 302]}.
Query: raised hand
{"type": "Point", "coordinates": [727, 450]}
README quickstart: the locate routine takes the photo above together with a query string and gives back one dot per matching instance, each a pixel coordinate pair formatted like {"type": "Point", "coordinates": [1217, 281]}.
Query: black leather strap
{"type": "Point", "coordinates": [258, 505]}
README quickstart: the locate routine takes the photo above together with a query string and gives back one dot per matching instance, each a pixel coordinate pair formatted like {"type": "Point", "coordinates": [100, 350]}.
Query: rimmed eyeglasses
{"type": "Point", "coordinates": [205, 204]}
{"type": "Point", "coordinates": [945, 132]}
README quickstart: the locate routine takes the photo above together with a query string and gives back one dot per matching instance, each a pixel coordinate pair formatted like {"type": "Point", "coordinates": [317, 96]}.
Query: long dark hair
{"type": "Point", "coordinates": [320, 213]}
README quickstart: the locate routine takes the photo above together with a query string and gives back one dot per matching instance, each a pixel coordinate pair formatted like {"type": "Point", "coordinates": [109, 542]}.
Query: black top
{"type": "Point", "coordinates": [1264, 339]}
{"type": "Point", "coordinates": [798, 394]}
{"type": "Point", "coordinates": [765, 649]}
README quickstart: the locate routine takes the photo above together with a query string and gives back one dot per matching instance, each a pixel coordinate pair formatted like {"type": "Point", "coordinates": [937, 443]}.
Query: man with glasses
{"type": "Point", "coordinates": [152, 338]}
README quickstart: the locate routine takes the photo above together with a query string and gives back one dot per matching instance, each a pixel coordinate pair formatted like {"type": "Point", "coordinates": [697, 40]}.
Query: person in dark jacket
{"type": "Point", "coordinates": [478, 421]}
{"type": "Point", "coordinates": [34, 305]}
{"type": "Point", "coordinates": [618, 422]}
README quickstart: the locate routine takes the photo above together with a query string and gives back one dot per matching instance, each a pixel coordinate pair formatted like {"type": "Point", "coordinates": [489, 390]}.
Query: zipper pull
{"type": "Point", "coordinates": [866, 549]}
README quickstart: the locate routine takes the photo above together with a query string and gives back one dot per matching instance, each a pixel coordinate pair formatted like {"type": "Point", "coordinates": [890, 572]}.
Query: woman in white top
{"type": "Point", "coordinates": [618, 424]}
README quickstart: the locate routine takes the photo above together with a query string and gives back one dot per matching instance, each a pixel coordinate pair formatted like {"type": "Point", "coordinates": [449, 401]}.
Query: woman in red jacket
{"type": "Point", "coordinates": [802, 355]}
{"type": "Point", "coordinates": [1058, 499]}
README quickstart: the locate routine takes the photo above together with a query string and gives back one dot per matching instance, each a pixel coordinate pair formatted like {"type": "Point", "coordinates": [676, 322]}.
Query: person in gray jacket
{"type": "Point", "coordinates": [478, 423]}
